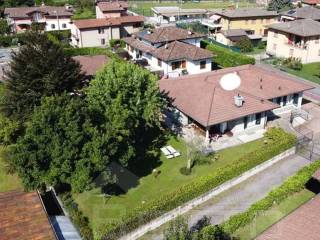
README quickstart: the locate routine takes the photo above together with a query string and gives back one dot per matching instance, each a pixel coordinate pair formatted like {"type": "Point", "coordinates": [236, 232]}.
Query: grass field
{"type": "Point", "coordinates": [7, 182]}
{"type": "Point", "coordinates": [309, 71]}
{"type": "Point", "coordinates": [273, 215]}
{"type": "Point", "coordinates": [99, 209]}
{"type": "Point", "coordinates": [144, 7]}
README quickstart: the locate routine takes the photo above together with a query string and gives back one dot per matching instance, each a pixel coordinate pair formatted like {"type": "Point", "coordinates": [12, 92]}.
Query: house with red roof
{"type": "Point", "coordinates": [203, 100]}
{"type": "Point", "coordinates": [111, 9]}
{"type": "Point", "coordinates": [50, 17]}
{"type": "Point", "coordinates": [172, 50]}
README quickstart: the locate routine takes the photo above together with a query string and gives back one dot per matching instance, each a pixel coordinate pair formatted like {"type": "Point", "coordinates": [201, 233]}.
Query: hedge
{"type": "Point", "coordinates": [12, 40]}
{"type": "Point", "coordinates": [278, 141]}
{"type": "Point", "coordinates": [86, 51]}
{"type": "Point", "coordinates": [226, 58]}
{"type": "Point", "coordinates": [77, 216]}
{"type": "Point", "coordinates": [292, 185]}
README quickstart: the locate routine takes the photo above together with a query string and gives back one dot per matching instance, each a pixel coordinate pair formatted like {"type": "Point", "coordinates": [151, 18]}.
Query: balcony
{"type": "Point", "coordinates": [299, 45]}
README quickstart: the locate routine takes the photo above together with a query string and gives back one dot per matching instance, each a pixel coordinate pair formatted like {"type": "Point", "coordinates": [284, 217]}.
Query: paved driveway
{"type": "Point", "coordinates": [242, 196]}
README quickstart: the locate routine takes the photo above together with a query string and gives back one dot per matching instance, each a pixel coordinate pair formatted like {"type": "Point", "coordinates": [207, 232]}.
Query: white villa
{"type": "Point", "coordinates": [50, 17]}
{"type": "Point", "coordinates": [298, 39]}
{"type": "Point", "coordinates": [200, 99]}
{"type": "Point", "coordinates": [174, 51]}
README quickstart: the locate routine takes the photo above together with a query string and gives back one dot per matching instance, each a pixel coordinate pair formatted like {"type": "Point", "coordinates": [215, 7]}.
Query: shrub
{"type": "Point", "coordinates": [292, 185]}
{"type": "Point", "coordinates": [148, 211]}
{"type": "Point", "coordinates": [76, 216]}
{"type": "Point", "coordinates": [115, 42]}
{"type": "Point", "coordinates": [227, 58]}
{"type": "Point", "coordinates": [12, 40]}
{"type": "Point", "coordinates": [293, 63]}
{"type": "Point", "coordinates": [245, 45]}
{"type": "Point", "coordinates": [262, 45]}
{"type": "Point", "coordinates": [85, 51]}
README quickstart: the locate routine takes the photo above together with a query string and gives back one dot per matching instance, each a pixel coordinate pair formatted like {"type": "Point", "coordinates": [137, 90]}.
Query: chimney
{"type": "Point", "coordinates": [238, 100]}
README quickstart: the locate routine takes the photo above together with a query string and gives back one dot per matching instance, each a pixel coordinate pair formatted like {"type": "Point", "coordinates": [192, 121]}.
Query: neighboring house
{"type": "Point", "coordinates": [91, 64]}
{"type": "Point", "coordinates": [314, 3]}
{"type": "Point", "coordinates": [50, 17]}
{"type": "Point", "coordinates": [302, 223]}
{"type": "Point", "coordinates": [172, 50]}
{"type": "Point", "coordinates": [98, 32]}
{"type": "Point", "coordinates": [307, 12]}
{"type": "Point", "coordinates": [200, 99]}
{"type": "Point", "coordinates": [232, 36]}
{"type": "Point", "coordinates": [24, 217]}
{"type": "Point", "coordinates": [111, 9]}
{"type": "Point", "coordinates": [253, 19]}
{"type": "Point", "coordinates": [174, 14]}
{"type": "Point", "coordinates": [299, 39]}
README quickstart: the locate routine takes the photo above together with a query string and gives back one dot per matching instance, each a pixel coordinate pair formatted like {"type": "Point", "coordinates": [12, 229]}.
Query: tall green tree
{"type": "Point", "coordinates": [279, 5]}
{"type": "Point", "coordinates": [126, 105]}
{"type": "Point", "coordinates": [38, 69]}
{"type": "Point", "coordinates": [50, 152]}
{"type": "Point", "coordinates": [4, 27]}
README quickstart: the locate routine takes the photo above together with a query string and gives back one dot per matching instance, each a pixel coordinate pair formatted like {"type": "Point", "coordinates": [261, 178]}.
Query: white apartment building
{"type": "Point", "coordinates": [51, 18]}
{"type": "Point", "coordinates": [298, 39]}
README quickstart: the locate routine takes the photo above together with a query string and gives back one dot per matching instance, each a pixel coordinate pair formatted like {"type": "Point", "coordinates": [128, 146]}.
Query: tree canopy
{"type": "Point", "coordinates": [71, 140]}
{"type": "Point", "coordinates": [38, 69]}
{"type": "Point", "coordinates": [278, 5]}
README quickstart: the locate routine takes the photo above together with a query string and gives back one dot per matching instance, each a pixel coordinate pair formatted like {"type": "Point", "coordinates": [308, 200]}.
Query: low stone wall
{"type": "Point", "coordinates": [205, 197]}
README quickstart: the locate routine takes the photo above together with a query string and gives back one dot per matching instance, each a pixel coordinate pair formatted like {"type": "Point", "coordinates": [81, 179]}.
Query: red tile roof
{"type": "Point", "coordinates": [201, 97]}
{"type": "Point", "coordinates": [168, 34]}
{"type": "Point", "coordinates": [22, 12]}
{"type": "Point", "coordinates": [303, 223]}
{"type": "Point", "coordinates": [23, 217]}
{"type": "Point", "coordinates": [91, 64]}
{"type": "Point", "coordinates": [311, 2]}
{"type": "Point", "coordinates": [180, 50]}
{"type": "Point", "coordinates": [95, 23]}
{"type": "Point", "coordinates": [113, 6]}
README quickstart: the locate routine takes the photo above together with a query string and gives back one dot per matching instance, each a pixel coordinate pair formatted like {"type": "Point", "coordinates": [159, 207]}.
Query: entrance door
{"type": "Point", "coordinates": [245, 122]}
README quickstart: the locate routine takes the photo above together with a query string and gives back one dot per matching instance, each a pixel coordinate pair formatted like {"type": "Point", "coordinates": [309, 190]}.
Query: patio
{"type": "Point", "coordinates": [189, 133]}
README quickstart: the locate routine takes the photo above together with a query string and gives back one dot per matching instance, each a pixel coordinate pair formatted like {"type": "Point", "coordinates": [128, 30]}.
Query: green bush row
{"type": "Point", "coordinates": [278, 141]}
{"type": "Point", "coordinates": [77, 217]}
{"type": "Point", "coordinates": [114, 42]}
{"type": "Point", "coordinates": [292, 185]}
{"type": "Point", "coordinates": [85, 51]}
{"type": "Point", "coordinates": [225, 57]}
{"type": "Point", "coordinates": [12, 40]}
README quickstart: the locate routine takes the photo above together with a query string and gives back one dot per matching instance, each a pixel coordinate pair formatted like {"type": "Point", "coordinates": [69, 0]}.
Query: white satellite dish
{"type": "Point", "coordinates": [230, 81]}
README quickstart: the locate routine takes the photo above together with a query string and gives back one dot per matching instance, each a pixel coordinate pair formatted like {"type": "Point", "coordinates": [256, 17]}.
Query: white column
{"type": "Point", "coordinates": [207, 133]}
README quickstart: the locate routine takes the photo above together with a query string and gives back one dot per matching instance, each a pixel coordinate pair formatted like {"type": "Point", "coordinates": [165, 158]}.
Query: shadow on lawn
{"type": "Point", "coordinates": [148, 144]}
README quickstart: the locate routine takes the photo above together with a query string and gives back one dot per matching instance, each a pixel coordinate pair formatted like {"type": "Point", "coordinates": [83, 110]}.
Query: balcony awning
{"type": "Point", "coordinates": [215, 17]}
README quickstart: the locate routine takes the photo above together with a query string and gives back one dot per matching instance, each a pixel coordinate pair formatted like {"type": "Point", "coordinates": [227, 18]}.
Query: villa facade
{"type": "Point", "coordinates": [174, 51]}
{"type": "Point", "coordinates": [111, 9]}
{"type": "Point", "coordinates": [298, 39]}
{"type": "Point", "coordinates": [51, 18]}
{"type": "Point", "coordinates": [98, 32]}
{"type": "Point", "coordinates": [199, 99]}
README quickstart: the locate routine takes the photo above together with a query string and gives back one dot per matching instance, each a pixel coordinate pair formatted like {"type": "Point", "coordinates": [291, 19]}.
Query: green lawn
{"type": "Point", "coordinates": [144, 7]}
{"type": "Point", "coordinates": [100, 210]}
{"type": "Point", "coordinates": [84, 14]}
{"type": "Point", "coordinates": [309, 71]}
{"type": "Point", "coordinates": [7, 182]}
{"type": "Point", "coordinates": [273, 215]}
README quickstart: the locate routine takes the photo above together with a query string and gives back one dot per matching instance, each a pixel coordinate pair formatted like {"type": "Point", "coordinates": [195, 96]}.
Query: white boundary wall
{"type": "Point", "coordinates": [205, 197]}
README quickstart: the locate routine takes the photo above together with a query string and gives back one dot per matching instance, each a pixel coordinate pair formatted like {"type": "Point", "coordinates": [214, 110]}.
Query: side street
{"type": "Point", "coordinates": [168, 120]}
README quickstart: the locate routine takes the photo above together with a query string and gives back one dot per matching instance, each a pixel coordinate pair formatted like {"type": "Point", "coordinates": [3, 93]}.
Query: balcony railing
{"type": "Point", "coordinates": [297, 45]}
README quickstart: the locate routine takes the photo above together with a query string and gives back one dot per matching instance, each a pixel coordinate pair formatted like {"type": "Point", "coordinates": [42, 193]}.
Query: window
{"type": "Point", "coordinates": [100, 30]}
{"type": "Point", "coordinates": [103, 41]}
{"type": "Point", "coordinates": [291, 52]}
{"type": "Point", "coordinates": [296, 99]}
{"type": "Point", "coordinates": [64, 25]}
{"type": "Point", "coordinates": [203, 64]}
{"type": "Point", "coordinates": [275, 34]}
{"type": "Point", "coordinates": [279, 100]}
{"type": "Point", "coordinates": [258, 118]}
{"type": "Point", "coordinates": [159, 63]}
{"type": "Point", "coordinates": [178, 64]}
{"type": "Point", "coordinates": [53, 26]}
{"type": "Point", "coordinates": [184, 64]}
{"type": "Point", "coordinates": [284, 100]}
